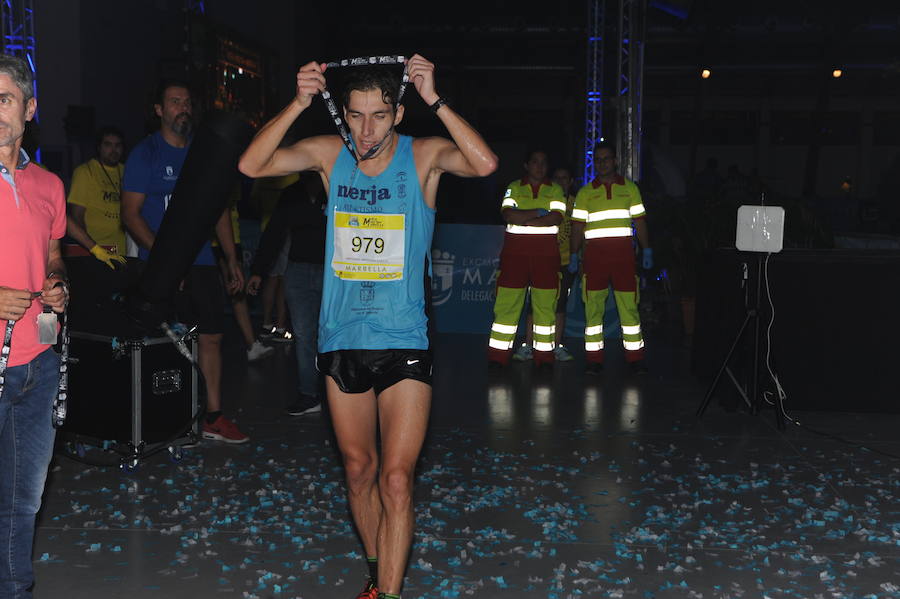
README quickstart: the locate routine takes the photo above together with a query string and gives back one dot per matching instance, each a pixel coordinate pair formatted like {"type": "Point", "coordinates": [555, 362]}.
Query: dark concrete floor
{"type": "Point", "coordinates": [532, 484]}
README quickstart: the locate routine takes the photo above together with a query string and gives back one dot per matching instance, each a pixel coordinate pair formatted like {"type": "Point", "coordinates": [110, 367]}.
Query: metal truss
{"type": "Point", "coordinates": [18, 38]}
{"type": "Point", "coordinates": [195, 7]}
{"type": "Point", "coordinates": [593, 119]}
{"type": "Point", "coordinates": [630, 85]}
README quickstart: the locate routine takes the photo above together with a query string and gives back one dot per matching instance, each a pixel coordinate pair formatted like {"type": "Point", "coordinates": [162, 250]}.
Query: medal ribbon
{"type": "Point", "coordinates": [363, 61]}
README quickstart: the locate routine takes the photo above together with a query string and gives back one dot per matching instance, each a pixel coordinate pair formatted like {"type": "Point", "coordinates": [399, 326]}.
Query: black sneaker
{"type": "Point", "coordinates": [638, 367]}
{"type": "Point", "coordinates": [305, 404]}
{"type": "Point", "coordinates": [281, 335]}
{"type": "Point", "coordinates": [593, 368]}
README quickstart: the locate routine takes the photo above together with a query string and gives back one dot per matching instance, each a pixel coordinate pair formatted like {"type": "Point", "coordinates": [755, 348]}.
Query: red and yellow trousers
{"type": "Point", "coordinates": [611, 261]}
{"type": "Point", "coordinates": [526, 261]}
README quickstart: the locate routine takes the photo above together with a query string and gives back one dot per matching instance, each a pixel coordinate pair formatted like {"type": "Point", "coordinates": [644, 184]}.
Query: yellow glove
{"type": "Point", "coordinates": [101, 254]}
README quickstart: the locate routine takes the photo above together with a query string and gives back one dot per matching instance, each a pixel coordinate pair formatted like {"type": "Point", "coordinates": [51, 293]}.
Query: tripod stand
{"type": "Point", "coordinates": [750, 395]}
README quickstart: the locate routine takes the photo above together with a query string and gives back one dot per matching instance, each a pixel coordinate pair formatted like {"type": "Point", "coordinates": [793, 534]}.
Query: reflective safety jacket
{"type": "Point", "coordinates": [521, 195]}
{"type": "Point", "coordinates": [608, 210]}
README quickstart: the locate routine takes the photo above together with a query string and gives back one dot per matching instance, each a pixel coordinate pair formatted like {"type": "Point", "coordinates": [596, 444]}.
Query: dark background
{"type": "Point", "coordinates": [517, 72]}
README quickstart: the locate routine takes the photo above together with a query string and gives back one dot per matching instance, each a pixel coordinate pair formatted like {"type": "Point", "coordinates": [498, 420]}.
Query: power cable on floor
{"type": "Point", "coordinates": [779, 390]}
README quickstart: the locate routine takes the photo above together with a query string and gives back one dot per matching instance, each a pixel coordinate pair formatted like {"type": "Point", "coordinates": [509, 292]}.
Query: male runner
{"type": "Point", "coordinates": [373, 343]}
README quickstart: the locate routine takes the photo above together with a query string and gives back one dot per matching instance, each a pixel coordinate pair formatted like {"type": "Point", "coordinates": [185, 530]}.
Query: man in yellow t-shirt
{"type": "Point", "coordinates": [96, 263]}
{"type": "Point", "coordinates": [93, 202]}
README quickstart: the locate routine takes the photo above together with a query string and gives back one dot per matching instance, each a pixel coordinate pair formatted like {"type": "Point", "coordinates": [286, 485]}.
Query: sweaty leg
{"type": "Point", "coordinates": [353, 416]}
{"type": "Point", "coordinates": [210, 358]}
{"type": "Point", "coordinates": [403, 417]}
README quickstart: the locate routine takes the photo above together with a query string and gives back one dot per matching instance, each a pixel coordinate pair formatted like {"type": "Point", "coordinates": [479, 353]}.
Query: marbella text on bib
{"type": "Point", "coordinates": [369, 247]}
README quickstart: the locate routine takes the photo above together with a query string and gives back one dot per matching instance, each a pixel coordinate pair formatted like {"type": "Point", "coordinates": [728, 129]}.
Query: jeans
{"type": "Point", "coordinates": [303, 294]}
{"type": "Point", "coordinates": [26, 444]}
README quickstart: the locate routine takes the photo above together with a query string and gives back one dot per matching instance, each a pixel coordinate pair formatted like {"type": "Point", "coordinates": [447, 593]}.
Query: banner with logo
{"type": "Point", "coordinates": [465, 264]}
{"type": "Point", "coordinates": [465, 261]}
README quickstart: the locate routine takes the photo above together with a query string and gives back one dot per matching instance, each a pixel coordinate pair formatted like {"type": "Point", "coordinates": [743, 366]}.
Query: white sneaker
{"type": "Point", "coordinates": [258, 350]}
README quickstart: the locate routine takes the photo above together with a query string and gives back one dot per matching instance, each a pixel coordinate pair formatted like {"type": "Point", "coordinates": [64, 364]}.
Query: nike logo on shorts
{"type": "Point", "coordinates": [411, 362]}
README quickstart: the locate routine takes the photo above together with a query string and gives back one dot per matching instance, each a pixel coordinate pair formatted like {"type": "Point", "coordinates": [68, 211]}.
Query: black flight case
{"type": "Point", "coordinates": [133, 397]}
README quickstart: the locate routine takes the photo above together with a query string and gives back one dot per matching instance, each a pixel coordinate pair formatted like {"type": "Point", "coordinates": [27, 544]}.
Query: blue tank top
{"type": "Point", "coordinates": [378, 240]}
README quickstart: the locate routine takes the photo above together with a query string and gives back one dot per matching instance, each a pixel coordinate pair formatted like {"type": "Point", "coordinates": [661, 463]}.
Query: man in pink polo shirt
{"type": "Point", "coordinates": [32, 221]}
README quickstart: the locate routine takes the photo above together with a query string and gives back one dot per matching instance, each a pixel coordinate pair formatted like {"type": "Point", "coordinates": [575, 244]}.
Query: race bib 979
{"type": "Point", "coordinates": [369, 247]}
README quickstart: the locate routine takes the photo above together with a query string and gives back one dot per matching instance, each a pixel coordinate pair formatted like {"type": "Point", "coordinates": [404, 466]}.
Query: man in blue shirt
{"type": "Point", "coordinates": [150, 175]}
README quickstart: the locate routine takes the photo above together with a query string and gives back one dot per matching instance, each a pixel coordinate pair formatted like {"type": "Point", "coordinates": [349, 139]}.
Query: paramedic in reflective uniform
{"type": "Point", "coordinates": [533, 208]}
{"type": "Point", "coordinates": [605, 211]}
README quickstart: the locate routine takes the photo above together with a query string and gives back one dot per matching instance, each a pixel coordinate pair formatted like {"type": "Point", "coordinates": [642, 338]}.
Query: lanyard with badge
{"type": "Point", "coordinates": [112, 184]}
{"type": "Point", "coordinates": [367, 246]}
{"type": "Point", "coordinates": [48, 334]}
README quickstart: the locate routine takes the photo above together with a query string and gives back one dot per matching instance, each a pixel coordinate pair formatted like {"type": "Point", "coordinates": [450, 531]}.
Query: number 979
{"type": "Point", "coordinates": [367, 244]}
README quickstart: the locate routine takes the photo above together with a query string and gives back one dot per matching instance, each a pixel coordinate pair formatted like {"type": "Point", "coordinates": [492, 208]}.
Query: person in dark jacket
{"type": "Point", "coordinates": [300, 214]}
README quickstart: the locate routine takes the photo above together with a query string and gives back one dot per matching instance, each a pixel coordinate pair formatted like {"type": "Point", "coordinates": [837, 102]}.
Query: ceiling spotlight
{"type": "Point", "coordinates": [705, 73]}
{"type": "Point", "coordinates": [837, 73]}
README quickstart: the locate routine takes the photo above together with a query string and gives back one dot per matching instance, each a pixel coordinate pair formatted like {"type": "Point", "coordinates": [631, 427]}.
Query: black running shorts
{"type": "Point", "coordinates": [358, 370]}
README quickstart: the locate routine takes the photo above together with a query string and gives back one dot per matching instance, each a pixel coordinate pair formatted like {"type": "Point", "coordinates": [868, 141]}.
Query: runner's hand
{"type": "Point", "coordinates": [14, 303]}
{"type": "Point", "coordinates": [421, 73]}
{"type": "Point", "coordinates": [310, 81]}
